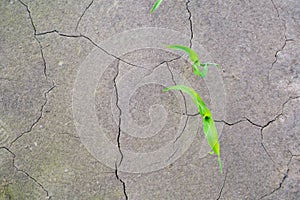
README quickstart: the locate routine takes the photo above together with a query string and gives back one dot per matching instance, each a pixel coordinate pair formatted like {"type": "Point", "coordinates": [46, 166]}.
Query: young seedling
{"type": "Point", "coordinates": [155, 6]}
{"type": "Point", "coordinates": [209, 128]}
{"type": "Point", "coordinates": [195, 60]}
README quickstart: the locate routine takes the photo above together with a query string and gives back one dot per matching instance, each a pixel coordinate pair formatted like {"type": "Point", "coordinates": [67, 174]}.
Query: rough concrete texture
{"type": "Point", "coordinates": [48, 152]}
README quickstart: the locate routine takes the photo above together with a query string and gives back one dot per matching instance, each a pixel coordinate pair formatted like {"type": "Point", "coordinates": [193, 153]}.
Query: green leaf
{"type": "Point", "coordinates": [195, 96]}
{"type": "Point", "coordinates": [192, 54]}
{"type": "Point", "coordinates": [198, 72]}
{"type": "Point", "coordinates": [211, 135]}
{"type": "Point", "coordinates": [195, 60]}
{"type": "Point", "coordinates": [155, 6]}
{"type": "Point", "coordinates": [209, 128]}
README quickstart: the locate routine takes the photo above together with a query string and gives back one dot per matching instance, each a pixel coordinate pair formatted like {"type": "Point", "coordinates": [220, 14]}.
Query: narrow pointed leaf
{"type": "Point", "coordinates": [155, 6]}
{"type": "Point", "coordinates": [192, 54]}
{"type": "Point", "coordinates": [209, 128]}
{"type": "Point", "coordinates": [194, 95]}
{"type": "Point", "coordinates": [220, 164]}
{"type": "Point", "coordinates": [195, 60]}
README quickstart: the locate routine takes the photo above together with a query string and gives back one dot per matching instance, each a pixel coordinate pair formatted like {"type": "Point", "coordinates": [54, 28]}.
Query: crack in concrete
{"type": "Point", "coordinates": [190, 21]}
{"type": "Point", "coordinates": [262, 127]}
{"type": "Point", "coordinates": [285, 176]}
{"type": "Point", "coordinates": [92, 42]}
{"type": "Point", "coordinates": [223, 185]}
{"type": "Point", "coordinates": [35, 37]}
{"type": "Point", "coordinates": [185, 111]}
{"type": "Point", "coordinates": [26, 173]}
{"type": "Point", "coordinates": [119, 179]}
{"type": "Point", "coordinates": [119, 133]}
{"type": "Point", "coordinates": [272, 121]}
{"type": "Point", "coordinates": [157, 66]}
{"type": "Point", "coordinates": [81, 16]}
{"type": "Point", "coordinates": [184, 100]}
{"type": "Point", "coordinates": [120, 113]}
{"type": "Point", "coordinates": [285, 39]}
{"type": "Point", "coordinates": [228, 123]}
{"type": "Point", "coordinates": [173, 80]}
{"type": "Point", "coordinates": [187, 114]}
{"type": "Point", "coordinates": [279, 186]}
{"type": "Point", "coordinates": [39, 116]}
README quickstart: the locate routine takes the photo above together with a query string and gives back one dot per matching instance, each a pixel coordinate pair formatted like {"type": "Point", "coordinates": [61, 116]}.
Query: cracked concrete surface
{"type": "Point", "coordinates": [42, 46]}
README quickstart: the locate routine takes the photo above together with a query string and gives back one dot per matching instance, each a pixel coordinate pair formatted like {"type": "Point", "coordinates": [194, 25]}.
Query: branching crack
{"type": "Point", "coordinates": [270, 122]}
{"type": "Point", "coordinates": [26, 173]}
{"type": "Point", "coordinates": [117, 164]}
{"type": "Point", "coordinates": [35, 37]}
{"type": "Point", "coordinates": [39, 116]}
{"type": "Point", "coordinates": [173, 80]}
{"type": "Point", "coordinates": [185, 110]}
{"type": "Point", "coordinates": [150, 71]}
{"type": "Point", "coordinates": [190, 21]}
{"type": "Point", "coordinates": [284, 35]}
{"type": "Point", "coordinates": [91, 41]}
{"type": "Point", "coordinates": [79, 20]}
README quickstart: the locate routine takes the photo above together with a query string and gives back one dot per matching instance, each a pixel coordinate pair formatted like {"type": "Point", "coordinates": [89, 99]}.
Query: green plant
{"type": "Point", "coordinates": [209, 128]}
{"type": "Point", "coordinates": [155, 6]}
{"type": "Point", "coordinates": [200, 69]}
{"type": "Point", "coordinates": [195, 60]}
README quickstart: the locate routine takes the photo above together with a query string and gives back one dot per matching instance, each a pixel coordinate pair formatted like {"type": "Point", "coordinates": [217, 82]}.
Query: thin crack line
{"type": "Point", "coordinates": [38, 118]}
{"type": "Point", "coordinates": [92, 42]}
{"type": "Point", "coordinates": [230, 124]}
{"type": "Point", "coordinates": [166, 61]}
{"type": "Point", "coordinates": [187, 114]}
{"type": "Point", "coordinates": [270, 122]}
{"type": "Point", "coordinates": [184, 127]}
{"type": "Point", "coordinates": [190, 21]}
{"type": "Point", "coordinates": [282, 180]}
{"type": "Point", "coordinates": [26, 173]}
{"type": "Point", "coordinates": [119, 179]}
{"type": "Point", "coordinates": [117, 165]}
{"type": "Point", "coordinates": [279, 185]}
{"type": "Point", "coordinates": [281, 112]}
{"type": "Point", "coordinates": [79, 20]}
{"type": "Point", "coordinates": [156, 67]}
{"type": "Point", "coordinates": [285, 39]}
{"type": "Point", "coordinates": [38, 41]}
{"type": "Point", "coordinates": [184, 100]}
{"type": "Point", "coordinates": [120, 113]}
{"type": "Point", "coordinates": [276, 117]}
{"type": "Point", "coordinates": [223, 185]}
{"type": "Point", "coordinates": [264, 147]}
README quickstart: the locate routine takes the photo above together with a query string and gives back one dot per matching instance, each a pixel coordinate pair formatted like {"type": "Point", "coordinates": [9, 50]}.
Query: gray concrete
{"type": "Point", "coordinates": [71, 74]}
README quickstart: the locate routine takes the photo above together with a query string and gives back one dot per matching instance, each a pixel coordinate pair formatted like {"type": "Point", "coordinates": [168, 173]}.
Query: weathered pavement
{"type": "Point", "coordinates": [46, 45]}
